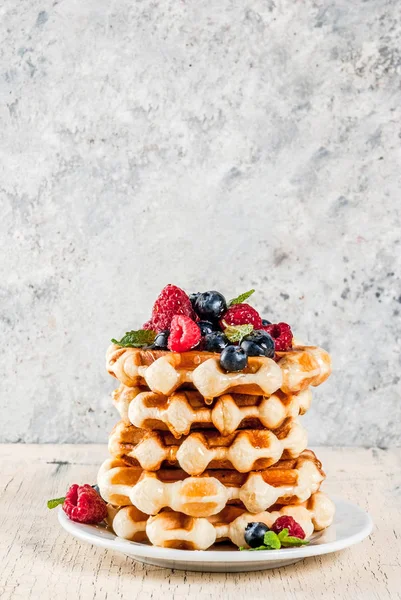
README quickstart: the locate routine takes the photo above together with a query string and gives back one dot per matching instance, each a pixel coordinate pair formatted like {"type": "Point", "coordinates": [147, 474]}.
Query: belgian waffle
{"type": "Point", "coordinates": [164, 372]}
{"type": "Point", "coordinates": [246, 450]}
{"type": "Point", "coordinates": [122, 398]}
{"type": "Point", "coordinates": [171, 529]}
{"type": "Point", "coordinates": [185, 409]}
{"type": "Point", "coordinates": [289, 481]}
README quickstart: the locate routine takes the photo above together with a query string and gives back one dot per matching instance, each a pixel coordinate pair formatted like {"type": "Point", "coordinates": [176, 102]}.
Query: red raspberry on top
{"type": "Point", "coordinates": [241, 314]}
{"type": "Point", "coordinates": [84, 505]}
{"type": "Point", "coordinates": [287, 522]}
{"type": "Point", "coordinates": [184, 334]}
{"type": "Point", "coordinates": [171, 301]}
{"type": "Point", "coordinates": [282, 335]}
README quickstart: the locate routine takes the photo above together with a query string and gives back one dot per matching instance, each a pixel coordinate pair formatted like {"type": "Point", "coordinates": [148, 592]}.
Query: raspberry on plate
{"type": "Point", "coordinates": [287, 522]}
{"type": "Point", "coordinates": [83, 504]}
{"type": "Point", "coordinates": [171, 301]}
{"type": "Point", "coordinates": [184, 334]}
{"type": "Point", "coordinates": [241, 314]}
{"type": "Point", "coordinates": [282, 335]}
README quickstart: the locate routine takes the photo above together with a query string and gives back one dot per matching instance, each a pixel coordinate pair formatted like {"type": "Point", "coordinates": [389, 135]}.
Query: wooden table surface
{"type": "Point", "coordinates": [38, 560]}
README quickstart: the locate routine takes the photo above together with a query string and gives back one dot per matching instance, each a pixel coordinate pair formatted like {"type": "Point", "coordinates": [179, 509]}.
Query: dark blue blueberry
{"type": "Point", "coordinates": [160, 342]}
{"type": "Point", "coordinates": [96, 488]}
{"type": "Point", "coordinates": [206, 327]}
{"type": "Point", "coordinates": [265, 322]}
{"type": "Point", "coordinates": [255, 533]}
{"type": "Point", "coordinates": [215, 341]}
{"type": "Point", "coordinates": [258, 343]}
{"type": "Point", "coordinates": [233, 358]}
{"type": "Point", "coordinates": [210, 305]}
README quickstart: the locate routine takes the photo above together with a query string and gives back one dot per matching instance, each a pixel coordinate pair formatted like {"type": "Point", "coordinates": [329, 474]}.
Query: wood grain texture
{"type": "Point", "coordinates": [39, 560]}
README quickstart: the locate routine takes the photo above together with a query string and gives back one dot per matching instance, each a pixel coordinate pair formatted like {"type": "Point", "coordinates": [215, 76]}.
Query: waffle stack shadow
{"type": "Point", "coordinates": [199, 453]}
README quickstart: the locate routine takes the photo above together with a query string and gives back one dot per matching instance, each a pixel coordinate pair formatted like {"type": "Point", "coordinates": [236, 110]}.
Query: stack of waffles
{"type": "Point", "coordinates": [200, 452]}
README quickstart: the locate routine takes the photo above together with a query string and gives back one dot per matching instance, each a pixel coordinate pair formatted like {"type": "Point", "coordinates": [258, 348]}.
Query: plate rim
{"type": "Point", "coordinates": [87, 533]}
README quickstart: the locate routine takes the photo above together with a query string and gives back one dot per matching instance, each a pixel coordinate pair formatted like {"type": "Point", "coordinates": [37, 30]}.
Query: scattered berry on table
{"type": "Point", "coordinates": [282, 335]}
{"type": "Point", "coordinates": [258, 343]}
{"type": "Point", "coordinates": [206, 327]}
{"type": "Point", "coordinates": [171, 301]}
{"type": "Point", "coordinates": [241, 314]}
{"type": "Point", "coordinates": [184, 334]}
{"type": "Point", "coordinates": [255, 533]}
{"type": "Point", "coordinates": [287, 522]}
{"type": "Point", "coordinates": [161, 339]}
{"type": "Point", "coordinates": [233, 358]}
{"type": "Point", "coordinates": [84, 505]}
{"type": "Point", "coordinates": [210, 305]}
{"type": "Point", "coordinates": [215, 342]}
{"type": "Point", "coordinates": [266, 322]}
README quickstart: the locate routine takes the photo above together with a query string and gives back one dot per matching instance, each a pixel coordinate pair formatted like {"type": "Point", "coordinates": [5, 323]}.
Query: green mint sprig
{"type": "Point", "coordinates": [290, 540]}
{"type": "Point", "coordinates": [235, 333]}
{"type": "Point", "coordinates": [241, 298]}
{"type": "Point", "coordinates": [272, 541]}
{"type": "Point", "coordinates": [136, 339]}
{"type": "Point", "coordinates": [55, 502]}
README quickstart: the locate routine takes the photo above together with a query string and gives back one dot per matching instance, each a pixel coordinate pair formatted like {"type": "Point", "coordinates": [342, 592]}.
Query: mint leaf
{"type": "Point", "coordinates": [235, 333]}
{"type": "Point", "coordinates": [241, 298]}
{"type": "Point", "coordinates": [271, 540]}
{"type": "Point", "coordinates": [283, 533]}
{"type": "Point", "coordinates": [290, 540]}
{"type": "Point", "coordinates": [55, 502]}
{"type": "Point", "coordinates": [136, 339]}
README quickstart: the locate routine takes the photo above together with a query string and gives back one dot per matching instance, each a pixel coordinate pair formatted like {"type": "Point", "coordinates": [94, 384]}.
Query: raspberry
{"type": "Point", "coordinates": [171, 301]}
{"type": "Point", "coordinates": [282, 335]}
{"type": "Point", "coordinates": [84, 505]}
{"type": "Point", "coordinates": [241, 314]}
{"type": "Point", "coordinates": [184, 334]}
{"type": "Point", "coordinates": [286, 522]}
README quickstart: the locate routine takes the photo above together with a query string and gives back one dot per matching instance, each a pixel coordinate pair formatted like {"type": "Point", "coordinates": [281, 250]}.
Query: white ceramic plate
{"type": "Point", "coordinates": [351, 525]}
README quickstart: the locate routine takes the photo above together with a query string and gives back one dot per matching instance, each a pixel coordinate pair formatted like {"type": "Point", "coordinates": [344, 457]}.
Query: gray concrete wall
{"type": "Point", "coordinates": [215, 145]}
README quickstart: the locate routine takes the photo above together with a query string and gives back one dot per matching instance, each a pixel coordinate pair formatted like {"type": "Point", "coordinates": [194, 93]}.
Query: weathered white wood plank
{"type": "Point", "coordinates": [38, 560]}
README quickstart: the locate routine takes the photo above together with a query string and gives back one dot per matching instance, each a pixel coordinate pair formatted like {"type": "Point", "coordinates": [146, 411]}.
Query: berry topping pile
{"type": "Point", "coordinates": [284, 533]}
{"type": "Point", "coordinates": [207, 322]}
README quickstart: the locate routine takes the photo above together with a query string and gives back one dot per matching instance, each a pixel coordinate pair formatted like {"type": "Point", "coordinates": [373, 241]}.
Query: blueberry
{"type": "Point", "coordinates": [265, 322]}
{"type": "Point", "coordinates": [255, 533]}
{"type": "Point", "coordinates": [96, 488]}
{"type": "Point", "coordinates": [160, 342]}
{"type": "Point", "coordinates": [258, 343]}
{"type": "Point", "coordinates": [215, 341]}
{"type": "Point", "coordinates": [252, 349]}
{"type": "Point", "coordinates": [233, 358]}
{"type": "Point", "coordinates": [193, 298]}
{"type": "Point", "coordinates": [210, 305]}
{"type": "Point", "coordinates": [206, 327]}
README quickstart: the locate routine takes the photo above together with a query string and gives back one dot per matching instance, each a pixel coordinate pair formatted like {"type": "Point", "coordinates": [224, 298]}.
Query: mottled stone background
{"type": "Point", "coordinates": [209, 144]}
